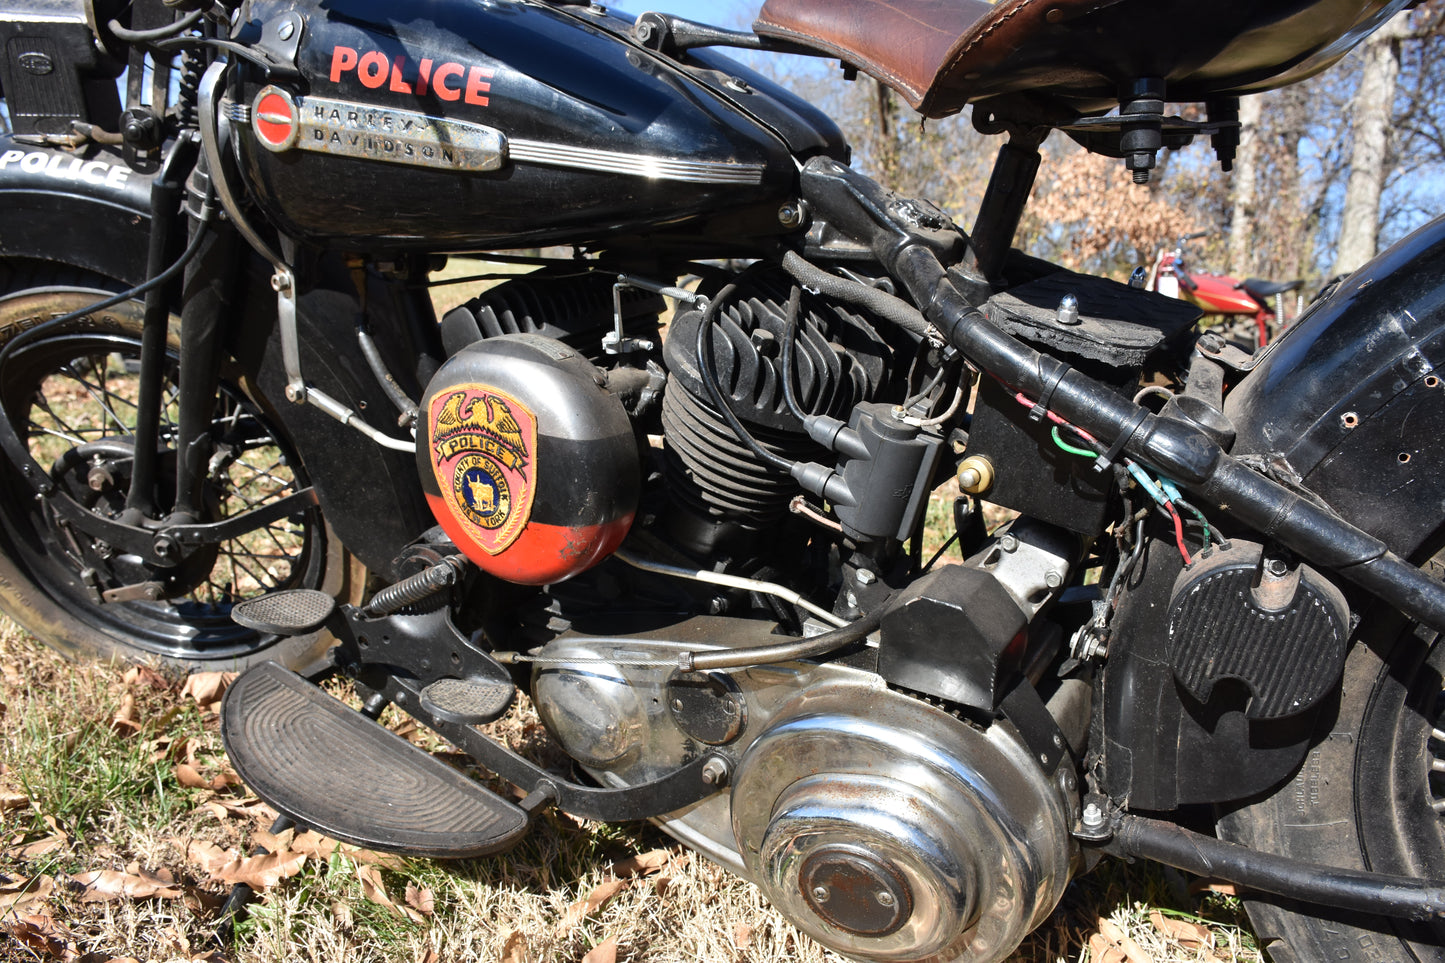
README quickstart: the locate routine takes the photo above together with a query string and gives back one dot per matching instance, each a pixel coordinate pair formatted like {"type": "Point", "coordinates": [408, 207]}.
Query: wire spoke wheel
{"type": "Point", "coordinates": [73, 400]}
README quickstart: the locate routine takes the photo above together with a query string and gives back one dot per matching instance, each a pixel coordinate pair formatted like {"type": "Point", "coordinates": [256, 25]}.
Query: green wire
{"type": "Point", "coordinates": [1081, 452]}
{"type": "Point", "coordinates": [1202, 521]}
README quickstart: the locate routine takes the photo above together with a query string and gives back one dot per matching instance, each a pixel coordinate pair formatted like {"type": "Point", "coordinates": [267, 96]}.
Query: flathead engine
{"type": "Point", "coordinates": [891, 811]}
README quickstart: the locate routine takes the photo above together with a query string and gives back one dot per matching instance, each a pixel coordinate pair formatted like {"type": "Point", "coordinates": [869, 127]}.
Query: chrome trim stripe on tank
{"type": "Point", "coordinates": [641, 165]}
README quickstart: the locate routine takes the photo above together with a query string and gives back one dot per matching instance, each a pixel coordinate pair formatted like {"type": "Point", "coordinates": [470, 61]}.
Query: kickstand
{"type": "Point", "coordinates": [234, 909]}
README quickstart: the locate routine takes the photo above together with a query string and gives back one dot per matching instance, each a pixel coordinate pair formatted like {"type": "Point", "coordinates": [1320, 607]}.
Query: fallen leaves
{"type": "Point", "coordinates": [1191, 936]}
{"type": "Point", "coordinates": [106, 885]}
{"type": "Point", "coordinates": [604, 952]}
{"type": "Point", "coordinates": [207, 688]}
{"type": "Point", "coordinates": [591, 903]}
{"type": "Point", "coordinates": [1171, 935]}
{"type": "Point", "coordinates": [258, 872]}
{"type": "Point", "coordinates": [514, 950]}
{"type": "Point", "coordinates": [21, 895]}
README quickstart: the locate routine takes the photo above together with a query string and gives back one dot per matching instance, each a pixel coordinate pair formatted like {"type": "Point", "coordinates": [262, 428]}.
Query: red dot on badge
{"type": "Point", "coordinates": [275, 121]}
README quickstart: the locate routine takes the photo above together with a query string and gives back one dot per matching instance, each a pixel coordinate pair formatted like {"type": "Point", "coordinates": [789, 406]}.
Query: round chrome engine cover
{"type": "Point", "coordinates": [890, 830]}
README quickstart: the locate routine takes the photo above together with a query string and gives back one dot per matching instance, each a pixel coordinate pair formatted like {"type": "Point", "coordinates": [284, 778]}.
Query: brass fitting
{"type": "Point", "coordinates": [975, 475]}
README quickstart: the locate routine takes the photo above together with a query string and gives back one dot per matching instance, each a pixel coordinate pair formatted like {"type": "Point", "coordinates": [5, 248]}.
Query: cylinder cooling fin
{"type": "Point", "coordinates": [839, 360]}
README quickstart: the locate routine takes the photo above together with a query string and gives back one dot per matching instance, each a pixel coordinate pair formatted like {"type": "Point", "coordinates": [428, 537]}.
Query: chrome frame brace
{"type": "Point", "coordinates": [215, 141]}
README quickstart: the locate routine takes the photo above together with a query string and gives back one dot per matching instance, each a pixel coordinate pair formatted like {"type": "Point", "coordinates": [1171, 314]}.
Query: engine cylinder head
{"type": "Point", "coordinates": [839, 359]}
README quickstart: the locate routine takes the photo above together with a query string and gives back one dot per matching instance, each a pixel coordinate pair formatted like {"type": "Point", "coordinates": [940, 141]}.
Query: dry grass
{"type": "Point", "coordinates": [83, 792]}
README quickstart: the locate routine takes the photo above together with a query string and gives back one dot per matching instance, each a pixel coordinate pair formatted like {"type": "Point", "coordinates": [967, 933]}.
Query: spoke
{"type": "Point", "coordinates": [97, 394]}
{"type": "Point", "coordinates": [43, 403]}
{"type": "Point", "coordinates": [51, 431]}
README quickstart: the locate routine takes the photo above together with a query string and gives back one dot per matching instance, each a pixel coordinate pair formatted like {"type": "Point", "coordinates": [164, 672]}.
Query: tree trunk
{"type": "Point", "coordinates": [1242, 222]}
{"type": "Point", "coordinates": [1370, 113]}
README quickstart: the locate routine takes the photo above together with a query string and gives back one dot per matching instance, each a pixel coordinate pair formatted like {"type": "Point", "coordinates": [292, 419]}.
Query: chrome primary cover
{"type": "Point", "coordinates": [888, 829]}
{"type": "Point", "coordinates": [884, 827]}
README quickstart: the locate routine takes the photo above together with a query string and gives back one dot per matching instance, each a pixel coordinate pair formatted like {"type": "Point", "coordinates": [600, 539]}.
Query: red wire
{"type": "Point", "coordinates": [1023, 399]}
{"type": "Point", "coordinates": [1178, 532]}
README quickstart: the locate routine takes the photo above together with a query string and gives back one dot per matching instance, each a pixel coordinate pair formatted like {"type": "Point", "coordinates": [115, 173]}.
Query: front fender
{"type": "Point", "coordinates": [1352, 397]}
{"type": "Point", "coordinates": [84, 208]}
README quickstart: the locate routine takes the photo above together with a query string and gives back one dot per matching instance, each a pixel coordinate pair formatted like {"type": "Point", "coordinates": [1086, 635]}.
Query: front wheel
{"type": "Point", "coordinates": [1369, 796]}
{"type": "Point", "coordinates": [72, 397]}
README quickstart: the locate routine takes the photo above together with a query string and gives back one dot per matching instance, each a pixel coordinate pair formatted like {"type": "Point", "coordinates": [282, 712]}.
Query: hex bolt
{"type": "Point", "coordinates": [821, 894]}
{"type": "Point", "coordinates": [1053, 580]}
{"type": "Point", "coordinates": [790, 215]}
{"type": "Point", "coordinates": [865, 577]}
{"type": "Point", "coordinates": [1093, 816]}
{"type": "Point", "coordinates": [1276, 567]}
{"type": "Point", "coordinates": [1009, 543]}
{"type": "Point", "coordinates": [716, 772]}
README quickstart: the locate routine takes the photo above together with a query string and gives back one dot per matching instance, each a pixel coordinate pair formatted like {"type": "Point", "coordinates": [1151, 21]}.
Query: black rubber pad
{"type": "Point", "coordinates": [467, 702]}
{"type": "Point", "coordinates": [291, 612]}
{"type": "Point", "coordinates": [334, 770]}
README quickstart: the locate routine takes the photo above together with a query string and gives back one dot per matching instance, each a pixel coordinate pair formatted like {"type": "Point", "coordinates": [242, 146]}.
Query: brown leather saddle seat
{"type": "Point", "coordinates": [1075, 56]}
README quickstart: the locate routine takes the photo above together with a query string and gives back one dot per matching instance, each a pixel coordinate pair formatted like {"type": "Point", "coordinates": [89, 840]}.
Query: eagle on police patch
{"type": "Point", "coordinates": [462, 415]}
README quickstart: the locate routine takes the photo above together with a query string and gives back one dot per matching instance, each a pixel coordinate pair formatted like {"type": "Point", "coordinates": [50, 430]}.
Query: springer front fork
{"type": "Point", "coordinates": [182, 201]}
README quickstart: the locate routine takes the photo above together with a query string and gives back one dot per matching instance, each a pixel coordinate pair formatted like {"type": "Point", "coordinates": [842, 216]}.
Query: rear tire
{"type": "Point", "coordinates": [71, 388]}
{"type": "Point", "coordinates": [1364, 799]}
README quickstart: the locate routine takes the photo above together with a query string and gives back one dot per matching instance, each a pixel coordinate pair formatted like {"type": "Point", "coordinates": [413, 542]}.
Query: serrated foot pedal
{"type": "Point", "coordinates": [332, 769]}
{"type": "Point", "coordinates": [467, 702]}
{"type": "Point", "coordinates": [290, 612]}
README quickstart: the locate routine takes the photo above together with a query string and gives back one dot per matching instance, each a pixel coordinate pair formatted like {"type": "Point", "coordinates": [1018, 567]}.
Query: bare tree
{"type": "Point", "coordinates": [1242, 218]}
{"type": "Point", "coordinates": [1371, 112]}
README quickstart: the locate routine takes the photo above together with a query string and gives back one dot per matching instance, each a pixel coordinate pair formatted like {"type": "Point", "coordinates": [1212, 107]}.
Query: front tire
{"type": "Point", "coordinates": [71, 396]}
{"type": "Point", "coordinates": [1367, 797]}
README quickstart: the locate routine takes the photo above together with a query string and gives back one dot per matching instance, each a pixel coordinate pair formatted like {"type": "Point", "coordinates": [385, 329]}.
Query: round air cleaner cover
{"type": "Point", "coordinates": [528, 462]}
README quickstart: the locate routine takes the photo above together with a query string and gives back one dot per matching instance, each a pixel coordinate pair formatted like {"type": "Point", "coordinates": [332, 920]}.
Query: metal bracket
{"type": "Point", "coordinates": [615, 341]}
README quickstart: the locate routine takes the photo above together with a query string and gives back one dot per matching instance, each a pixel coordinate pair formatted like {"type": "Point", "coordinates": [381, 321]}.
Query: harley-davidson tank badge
{"type": "Point", "coordinates": [283, 121]}
{"type": "Point", "coordinates": [484, 443]}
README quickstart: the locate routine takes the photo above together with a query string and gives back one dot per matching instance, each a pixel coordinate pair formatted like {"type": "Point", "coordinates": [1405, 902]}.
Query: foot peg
{"type": "Point", "coordinates": [289, 612]}
{"type": "Point", "coordinates": [467, 702]}
{"type": "Point", "coordinates": [334, 770]}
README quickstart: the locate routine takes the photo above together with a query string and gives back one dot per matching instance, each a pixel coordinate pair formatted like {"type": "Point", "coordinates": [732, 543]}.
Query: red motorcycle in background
{"type": "Point", "coordinates": [1219, 294]}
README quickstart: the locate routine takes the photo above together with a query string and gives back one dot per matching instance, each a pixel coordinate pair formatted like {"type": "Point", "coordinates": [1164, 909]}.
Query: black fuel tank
{"type": "Point", "coordinates": [453, 124]}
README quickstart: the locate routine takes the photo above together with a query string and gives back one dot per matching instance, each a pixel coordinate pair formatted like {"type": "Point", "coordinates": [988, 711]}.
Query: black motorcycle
{"type": "Point", "coordinates": [673, 481]}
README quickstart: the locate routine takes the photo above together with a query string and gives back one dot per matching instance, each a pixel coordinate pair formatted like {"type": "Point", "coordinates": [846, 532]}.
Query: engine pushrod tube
{"type": "Point", "coordinates": [862, 209]}
{"type": "Point", "coordinates": [1358, 890]}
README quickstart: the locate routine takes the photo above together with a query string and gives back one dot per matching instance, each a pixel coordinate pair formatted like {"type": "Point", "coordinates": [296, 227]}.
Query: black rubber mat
{"type": "Point", "coordinates": [467, 702]}
{"type": "Point", "coordinates": [290, 612]}
{"type": "Point", "coordinates": [334, 770]}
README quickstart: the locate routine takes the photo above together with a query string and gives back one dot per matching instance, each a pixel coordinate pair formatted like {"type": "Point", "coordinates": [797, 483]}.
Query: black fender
{"type": "Point", "coordinates": [74, 207]}
{"type": "Point", "coordinates": [88, 210]}
{"type": "Point", "coordinates": [1351, 399]}
{"type": "Point", "coordinates": [1350, 404]}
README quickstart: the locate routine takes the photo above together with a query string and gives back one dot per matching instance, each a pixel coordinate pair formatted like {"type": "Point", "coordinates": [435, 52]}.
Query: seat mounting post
{"type": "Point", "coordinates": [1004, 201]}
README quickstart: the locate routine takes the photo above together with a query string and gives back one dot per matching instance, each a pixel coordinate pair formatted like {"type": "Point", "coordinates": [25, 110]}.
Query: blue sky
{"type": "Point", "coordinates": [723, 13]}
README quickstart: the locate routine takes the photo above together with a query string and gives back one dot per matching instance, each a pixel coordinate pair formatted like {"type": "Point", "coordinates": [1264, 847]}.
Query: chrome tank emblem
{"type": "Point", "coordinates": [282, 121]}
